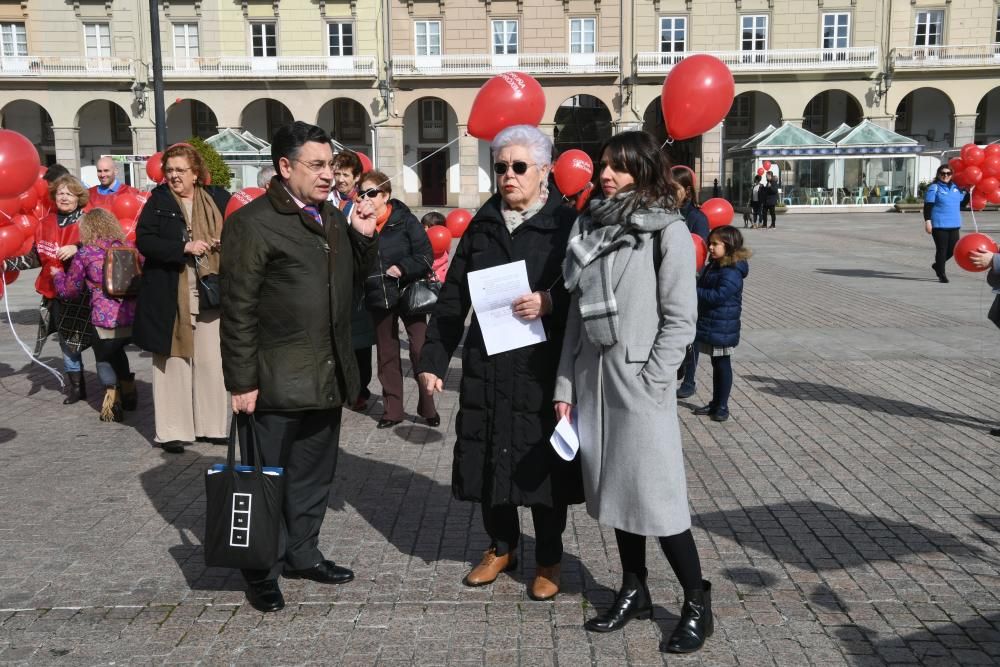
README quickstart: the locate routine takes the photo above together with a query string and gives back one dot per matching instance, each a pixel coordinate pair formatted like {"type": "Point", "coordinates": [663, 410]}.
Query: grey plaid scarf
{"type": "Point", "coordinates": [611, 224]}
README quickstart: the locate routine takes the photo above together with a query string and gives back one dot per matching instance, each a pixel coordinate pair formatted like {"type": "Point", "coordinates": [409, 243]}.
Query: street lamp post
{"type": "Point", "coordinates": [159, 110]}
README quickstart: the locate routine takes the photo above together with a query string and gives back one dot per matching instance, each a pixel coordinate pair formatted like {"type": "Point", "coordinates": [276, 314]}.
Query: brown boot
{"type": "Point", "coordinates": [546, 583]}
{"type": "Point", "coordinates": [111, 408]}
{"type": "Point", "coordinates": [490, 567]}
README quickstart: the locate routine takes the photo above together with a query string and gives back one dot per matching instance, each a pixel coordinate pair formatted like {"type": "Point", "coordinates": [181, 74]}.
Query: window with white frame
{"type": "Point", "coordinates": [432, 120]}
{"type": "Point", "coordinates": [836, 30]}
{"type": "Point", "coordinates": [340, 39]}
{"type": "Point", "coordinates": [996, 33]}
{"type": "Point", "coordinates": [753, 34]}
{"type": "Point", "coordinates": [582, 35]}
{"type": "Point", "coordinates": [673, 34]}
{"type": "Point", "coordinates": [504, 37]}
{"type": "Point", "coordinates": [428, 38]}
{"type": "Point", "coordinates": [264, 40]}
{"type": "Point", "coordinates": [97, 40]}
{"type": "Point", "coordinates": [185, 41]}
{"type": "Point", "coordinates": [13, 40]}
{"type": "Point", "coordinates": [929, 30]}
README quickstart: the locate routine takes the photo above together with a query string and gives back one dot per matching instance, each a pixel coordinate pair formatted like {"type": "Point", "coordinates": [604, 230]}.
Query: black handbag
{"type": "Point", "coordinates": [381, 292]}
{"type": "Point", "coordinates": [243, 513]}
{"type": "Point", "coordinates": [420, 296]}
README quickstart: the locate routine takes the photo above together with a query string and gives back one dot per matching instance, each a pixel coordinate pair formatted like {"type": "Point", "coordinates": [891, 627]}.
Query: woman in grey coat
{"type": "Point", "coordinates": [630, 269]}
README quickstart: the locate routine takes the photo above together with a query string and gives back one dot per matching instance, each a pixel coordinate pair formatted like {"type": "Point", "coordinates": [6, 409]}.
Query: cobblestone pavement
{"type": "Point", "coordinates": [847, 514]}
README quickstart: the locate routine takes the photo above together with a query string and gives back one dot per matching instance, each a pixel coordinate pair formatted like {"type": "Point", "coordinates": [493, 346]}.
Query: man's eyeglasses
{"type": "Point", "coordinates": [370, 193]}
{"type": "Point", "coordinates": [944, 173]}
{"type": "Point", "coordinates": [519, 167]}
{"type": "Point", "coordinates": [317, 166]}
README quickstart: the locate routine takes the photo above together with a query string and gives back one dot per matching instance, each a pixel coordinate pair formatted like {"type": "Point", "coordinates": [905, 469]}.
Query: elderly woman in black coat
{"type": "Point", "coordinates": [503, 458]}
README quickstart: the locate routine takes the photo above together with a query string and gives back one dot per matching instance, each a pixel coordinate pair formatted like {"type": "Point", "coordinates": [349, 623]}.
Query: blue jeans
{"type": "Point", "coordinates": [72, 361]}
{"type": "Point", "coordinates": [112, 362]}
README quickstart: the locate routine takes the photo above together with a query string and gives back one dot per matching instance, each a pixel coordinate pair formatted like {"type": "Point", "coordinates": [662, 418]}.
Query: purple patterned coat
{"type": "Point", "coordinates": [86, 272]}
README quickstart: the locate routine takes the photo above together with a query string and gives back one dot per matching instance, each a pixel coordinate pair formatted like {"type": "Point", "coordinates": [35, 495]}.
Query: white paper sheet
{"type": "Point", "coordinates": [566, 440]}
{"type": "Point", "coordinates": [493, 292]}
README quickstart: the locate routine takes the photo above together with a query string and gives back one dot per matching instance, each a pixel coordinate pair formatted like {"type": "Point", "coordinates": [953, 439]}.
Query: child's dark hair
{"type": "Point", "coordinates": [432, 219]}
{"type": "Point", "coordinates": [733, 240]}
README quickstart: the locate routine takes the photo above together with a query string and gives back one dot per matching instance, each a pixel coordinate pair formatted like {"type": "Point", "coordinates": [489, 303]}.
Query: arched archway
{"type": "Point", "coordinates": [190, 118]}
{"type": "Point", "coordinates": [33, 121]}
{"type": "Point", "coordinates": [686, 152]}
{"type": "Point", "coordinates": [927, 115]}
{"type": "Point", "coordinates": [428, 124]}
{"type": "Point", "coordinates": [105, 129]}
{"type": "Point", "coordinates": [988, 117]}
{"type": "Point", "coordinates": [263, 117]}
{"type": "Point", "coordinates": [347, 121]}
{"type": "Point", "coordinates": [583, 122]}
{"type": "Point", "coordinates": [751, 112]}
{"type": "Point", "coordinates": [829, 109]}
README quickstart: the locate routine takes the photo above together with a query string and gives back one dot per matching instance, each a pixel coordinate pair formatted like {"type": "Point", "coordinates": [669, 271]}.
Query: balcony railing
{"type": "Point", "coordinates": [54, 67]}
{"type": "Point", "coordinates": [485, 64]}
{"type": "Point", "coordinates": [280, 67]}
{"type": "Point", "coordinates": [911, 57]}
{"type": "Point", "coordinates": [769, 60]}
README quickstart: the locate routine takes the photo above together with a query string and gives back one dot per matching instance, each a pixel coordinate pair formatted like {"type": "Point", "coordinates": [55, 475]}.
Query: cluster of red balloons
{"type": "Point", "coordinates": [24, 197]}
{"type": "Point", "coordinates": [766, 168]}
{"type": "Point", "coordinates": [978, 169]}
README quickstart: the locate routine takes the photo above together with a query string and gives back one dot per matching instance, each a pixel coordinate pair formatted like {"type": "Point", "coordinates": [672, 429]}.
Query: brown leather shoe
{"type": "Point", "coordinates": [490, 567]}
{"type": "Point", "coordinates": [546, 583]}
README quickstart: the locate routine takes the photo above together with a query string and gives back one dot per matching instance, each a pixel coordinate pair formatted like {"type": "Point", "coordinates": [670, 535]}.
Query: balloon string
{"type": "Point", "coordinates": [411, 166]}
{"type": "Point", "coordinates": [27, 351]}
{"type": "Point", "coordinates": [667, 142]}
{"type": "Point", "coordinates": [972, 210]}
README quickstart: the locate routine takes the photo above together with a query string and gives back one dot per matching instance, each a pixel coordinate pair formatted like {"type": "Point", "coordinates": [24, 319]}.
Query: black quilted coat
{"type": "Point", "coordinates": [502, 454]}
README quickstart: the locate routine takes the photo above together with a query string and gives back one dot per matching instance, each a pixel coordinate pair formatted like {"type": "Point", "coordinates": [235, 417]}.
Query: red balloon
{"type": "Point", "coordinates": [10, 276]}
{"type": "Point", "coordinates": [573, 170]}
{"type": "Point", "coordinates": [27, 223]}
{"type": "Point", "coordinates": [41, 171]}
{"type": "Point", "coordinates": [11, 237]}
{"type": "Point", "coordinates": [241, 199]}
{"type": "Point", "coordinates": [971, 175]}
{"type": "Point", "coordinates": [41, 210]}
{"type": "Point", "coordinates": [41, 187]}
{"type": "Point", "coordinates": [993, 197]}
{"type": "Point", "coordinates": [366, 163]}
{"type": "Point", "coordinates": [971, 243]}
{"type": "Point", "coordinates": [991, 165]}
{"type": "Point", "coordinates": [718, 211]}
{"type": "Point", "coordinates": [978, 200]}
{"type": "Point", "coordinates": [697, 94]}
{"type": "Point", "coordinates": [760, 171]}
{"type": "Point", "coordinates": [511, 98]}
{"type": "Point", "coordinates": [28, 199]}
{"type": "Point", "coordinates": [958, 178]}
{"type": "Point", "coordinates": [992, 149]}
{"type": "Point", "coordinates": [26, 245]}
{"type": "Point", "coordinates": [767, 165]}
{"type": "Point", "coordinates": [584, 197]}
{"type": "Point", "coordinates": [956, 164]}
{"type": "Point", "coordinates": [457, 221]}
{"type": "Point", "coordinates": [18, 163]}
{"type": "Point", "coordinates": [987, 184]}
{"type": "Point", "coordinates": [700, 251]}
{"type": "Point", "coordinates": [972, 155]}
{"type": "Point", "coordinates": [126, 206]}
{"type": "Point", "coordinates": [154, 167]}
{"type": "Point", "coordinates": [9, 207]}
{"type": "Point", "coordinates": [440, 239]}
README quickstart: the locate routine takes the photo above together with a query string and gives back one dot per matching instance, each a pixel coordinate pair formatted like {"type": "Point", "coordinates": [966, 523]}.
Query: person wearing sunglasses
{"type": "Point", "coordinates": [503, 459]}
{"type": "Point", "coordinates": [404, 255]}
{"type": "Point", "coordinates": [943, 217]}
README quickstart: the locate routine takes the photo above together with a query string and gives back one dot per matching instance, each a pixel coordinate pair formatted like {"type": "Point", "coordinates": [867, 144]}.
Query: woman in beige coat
{"type": "Point", "coordinates": [630, 269]}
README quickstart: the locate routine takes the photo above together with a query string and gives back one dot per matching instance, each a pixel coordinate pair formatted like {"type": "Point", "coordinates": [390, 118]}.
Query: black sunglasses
{"type": "Point", "coordinates": [500, 168]}
{"type": "Point", "coordinates": [944, 173]}
{"type": "Point", "coordinates": [370, 193]}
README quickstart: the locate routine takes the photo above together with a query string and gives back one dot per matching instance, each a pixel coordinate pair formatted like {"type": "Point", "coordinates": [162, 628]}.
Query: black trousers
{"type": "Point", "coordinates": [944, 247]}
{"type": "Point", "coordinates": [504, 529]}
{"type": "Point", "coordinates": [680, 550]}
{"type": "Point", "coordinates": [756, 206]}
{"type": "Point", "coordinates": [363, 355]}
{"type": "Point", "coordinates": [305, 444]}
{"type": "Point", "coordinates": [768, 209]}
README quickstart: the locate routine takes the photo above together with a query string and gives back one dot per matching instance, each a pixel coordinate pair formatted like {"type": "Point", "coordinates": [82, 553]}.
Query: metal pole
{"type": "Point", "coordinates": [159, 109]}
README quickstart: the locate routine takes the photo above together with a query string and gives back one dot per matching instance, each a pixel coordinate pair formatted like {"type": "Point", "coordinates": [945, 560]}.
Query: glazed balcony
{"type": "Point", "coordinates": [485, 64]}
{"type": "Point", "coordinates": [279, 67]}
{"type": "Point", "coordinates": [770, 60]}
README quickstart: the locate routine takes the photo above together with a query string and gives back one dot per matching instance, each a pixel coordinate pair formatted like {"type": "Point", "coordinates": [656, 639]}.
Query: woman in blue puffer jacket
{"type": "Point", "coordinates": [720, 305]}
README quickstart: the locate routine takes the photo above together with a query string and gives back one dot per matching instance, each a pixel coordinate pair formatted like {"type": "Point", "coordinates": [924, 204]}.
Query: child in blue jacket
{"type": "Point", "coordinates": [720, 304]}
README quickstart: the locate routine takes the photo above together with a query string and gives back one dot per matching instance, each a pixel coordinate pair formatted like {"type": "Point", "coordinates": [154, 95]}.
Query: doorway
{"type": "Point", "coordinates": [433, 178]}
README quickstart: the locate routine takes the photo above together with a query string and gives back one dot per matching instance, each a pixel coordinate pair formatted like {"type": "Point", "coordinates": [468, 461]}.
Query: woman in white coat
{"type": "Point", "coordinates": [630, 269]}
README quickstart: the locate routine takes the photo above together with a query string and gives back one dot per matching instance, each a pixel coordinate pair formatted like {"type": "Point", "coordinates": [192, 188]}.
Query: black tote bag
{"type": "Point", "coordinates": [244, 509]}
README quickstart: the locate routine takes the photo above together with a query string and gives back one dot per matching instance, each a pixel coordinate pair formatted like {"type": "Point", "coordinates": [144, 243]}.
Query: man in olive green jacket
{"type": "Point", "coordinates": [289, 263]}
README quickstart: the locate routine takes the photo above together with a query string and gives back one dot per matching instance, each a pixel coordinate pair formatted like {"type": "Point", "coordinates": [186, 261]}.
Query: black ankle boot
{"type": "Point", "coordinates": [76, 390]}
{"type": "Point", "coordinates": [633, 601]}
{"type": "Point", "coordinates": [697, 622]}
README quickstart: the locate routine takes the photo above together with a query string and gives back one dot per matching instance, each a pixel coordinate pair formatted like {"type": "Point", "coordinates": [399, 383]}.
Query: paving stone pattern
{"type": "Point", "coordinates": [846, 514]}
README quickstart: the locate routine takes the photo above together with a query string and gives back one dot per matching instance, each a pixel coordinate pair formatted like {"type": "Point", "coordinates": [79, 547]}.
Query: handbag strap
{"type": "Point", "coordinates": [251, 436]}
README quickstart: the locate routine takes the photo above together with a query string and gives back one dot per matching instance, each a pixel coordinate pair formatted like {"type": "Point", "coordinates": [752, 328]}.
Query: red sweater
{"type": "Point", "coordinates": [49, 237]}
